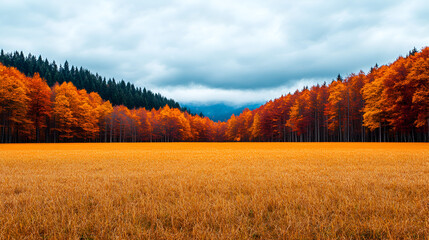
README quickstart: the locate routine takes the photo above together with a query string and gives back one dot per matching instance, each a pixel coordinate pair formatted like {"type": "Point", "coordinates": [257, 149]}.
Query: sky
{"type": "Point", "coordinates": [220, 51]}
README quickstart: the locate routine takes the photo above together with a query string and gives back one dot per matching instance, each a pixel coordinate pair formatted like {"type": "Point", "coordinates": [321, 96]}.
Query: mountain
{"type": "Point", "coordinates": [220, 111]}
{"type": "Point", "coordinates": [117, 92]}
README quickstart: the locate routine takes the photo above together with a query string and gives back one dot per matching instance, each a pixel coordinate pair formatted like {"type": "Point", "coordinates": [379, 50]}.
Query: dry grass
{"type": "Point", "coordinates": [214, 191]}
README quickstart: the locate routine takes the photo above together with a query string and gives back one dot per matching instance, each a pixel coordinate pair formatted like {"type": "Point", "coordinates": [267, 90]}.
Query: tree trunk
{"type": "Point", "coordinates": [427, 139]}
{"type": "Point", "coordinates": [348, 114]}
{"type": "Point", "coordinates": [379, 132]}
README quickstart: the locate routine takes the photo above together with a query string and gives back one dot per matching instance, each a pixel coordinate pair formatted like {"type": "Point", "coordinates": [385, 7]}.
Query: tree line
{"type": "Point", "coordinates": [117, 92]}
{"type": "Point", "coordinates": [389, 103]}
{"type": "Point", "coordinates": [31, 111]}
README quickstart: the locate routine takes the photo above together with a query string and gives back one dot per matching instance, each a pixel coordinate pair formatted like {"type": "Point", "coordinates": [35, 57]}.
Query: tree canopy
{"type": "Point", "coordinates": [389, 103]}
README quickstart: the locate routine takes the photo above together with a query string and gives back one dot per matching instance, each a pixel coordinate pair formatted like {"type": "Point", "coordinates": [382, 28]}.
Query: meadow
{"type": "Point", "coordinates": [214, 191]}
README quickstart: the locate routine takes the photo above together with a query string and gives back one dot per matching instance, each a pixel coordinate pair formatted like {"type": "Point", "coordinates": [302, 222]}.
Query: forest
{"type": "Point", "coordinates": [390, 103]}
{"type": "Point", "coordinates": [109, 89]}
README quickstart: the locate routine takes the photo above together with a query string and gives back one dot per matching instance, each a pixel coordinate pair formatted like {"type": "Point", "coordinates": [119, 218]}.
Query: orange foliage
{"type": "Point", "coordinates": [390, 103]}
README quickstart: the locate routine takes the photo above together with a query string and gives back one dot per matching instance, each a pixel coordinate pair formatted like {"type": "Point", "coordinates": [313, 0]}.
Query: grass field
{"type": "Point", "coordinates": [214, 191]}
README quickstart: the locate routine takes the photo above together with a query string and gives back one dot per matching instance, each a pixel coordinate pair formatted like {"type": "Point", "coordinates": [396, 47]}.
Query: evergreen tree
{"type": "Point", "coordinates": [120, 93]}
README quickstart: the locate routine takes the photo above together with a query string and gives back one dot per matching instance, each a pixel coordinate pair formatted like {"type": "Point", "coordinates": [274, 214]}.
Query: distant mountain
{"type": "Point", "coordinates": [117, 92]}
{"type": "Point", "coordinates": [219, 111]}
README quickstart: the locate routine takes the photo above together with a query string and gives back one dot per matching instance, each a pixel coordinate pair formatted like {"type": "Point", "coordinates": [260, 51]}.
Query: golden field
{"type": "Point", "coordinates": [214, 191]}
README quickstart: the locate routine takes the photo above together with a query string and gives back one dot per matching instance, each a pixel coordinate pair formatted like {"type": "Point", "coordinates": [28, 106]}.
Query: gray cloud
{"type": "Point", "coordinates": [221, 48]}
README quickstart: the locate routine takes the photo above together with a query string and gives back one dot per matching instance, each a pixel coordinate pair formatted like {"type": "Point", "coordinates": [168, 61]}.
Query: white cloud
{"type": "Point", "coordinates": [156, 71]}
{"type": "Point", "coordinates": [198, 94]}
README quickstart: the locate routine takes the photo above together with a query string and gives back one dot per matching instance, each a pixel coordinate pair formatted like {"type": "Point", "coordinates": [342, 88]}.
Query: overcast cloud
{"type": "Point", "coordinates": [235, 52]}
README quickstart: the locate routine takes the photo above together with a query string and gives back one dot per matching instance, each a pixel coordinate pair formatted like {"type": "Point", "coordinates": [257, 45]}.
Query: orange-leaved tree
{"type": "Point", "coordinates": [13, 103]}
{"type": "Point", "coordinates": [40, 105]}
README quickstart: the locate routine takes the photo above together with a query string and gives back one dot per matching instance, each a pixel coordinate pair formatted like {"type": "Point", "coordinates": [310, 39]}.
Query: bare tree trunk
{"type": "Point", "coordinates": [379, 132]}
{"type": "Point", "coordinates": [3, 131]}
{"type": "Point", "coordinates": [427, 139]}
{"type": "Point", "coordinates": [339, 126]}
{"type": "Point", "coordinates": [348, 114]}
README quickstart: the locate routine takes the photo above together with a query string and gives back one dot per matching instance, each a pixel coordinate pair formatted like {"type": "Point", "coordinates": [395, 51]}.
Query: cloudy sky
{"type": "Point", "coordinates": [229, 51]}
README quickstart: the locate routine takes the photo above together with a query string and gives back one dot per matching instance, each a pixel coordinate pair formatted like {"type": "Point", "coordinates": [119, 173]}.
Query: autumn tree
{"type": "Point", "coordinates": [175, 126]}
{"type": "Point", "coordinates": [375, 107]}
{"type": "Point", "coordinates": [418, 79]}
{"type": "Point", "coordinates": [335, 108]}
{"type": "Point", "coordinates": [300, 115]}
{"type": "Point", "coordinates": [144, 128]}
{"type": "Point", "coordinates": [231, 132]}
{"type": "Point", "coordinates": [13, 103]}
{"type": "Point", "coordinates": [397, 95]}
{"type": "Point", "coordinates": [355, 105]}
{"type": "Point", "coordinates": [255, 129]}
{"type": "Point", "coordinates": [40, 105]}
{"type": "Point", "coordinates": [244, 122]}
{"type": "Point", "coordinates": [64, 117]}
